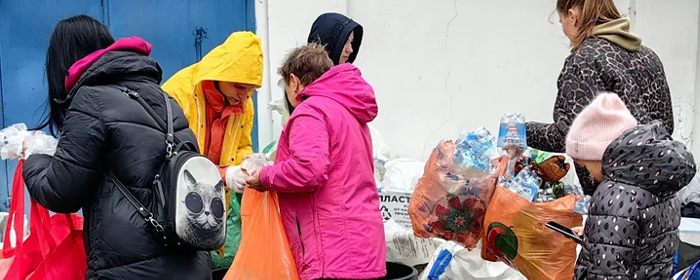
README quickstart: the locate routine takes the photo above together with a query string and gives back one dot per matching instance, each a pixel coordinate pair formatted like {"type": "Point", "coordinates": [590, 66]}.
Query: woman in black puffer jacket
{"type": "Point", "coordinates": [103, 130]}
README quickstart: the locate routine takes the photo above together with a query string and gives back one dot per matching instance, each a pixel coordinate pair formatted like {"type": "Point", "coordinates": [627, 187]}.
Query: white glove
{"type": "Point", "coordinates": [235, 178]}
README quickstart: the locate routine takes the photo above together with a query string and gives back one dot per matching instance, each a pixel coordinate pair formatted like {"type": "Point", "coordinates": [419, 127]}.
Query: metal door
{"type": "Point", "coordinates": [181, 31]}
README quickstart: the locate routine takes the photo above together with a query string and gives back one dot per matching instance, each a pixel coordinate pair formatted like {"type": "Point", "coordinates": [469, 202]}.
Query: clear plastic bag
{"type": "Point", "coordinates": [18, 142]}
{"type": "Point", "coordinates": [253, 163]}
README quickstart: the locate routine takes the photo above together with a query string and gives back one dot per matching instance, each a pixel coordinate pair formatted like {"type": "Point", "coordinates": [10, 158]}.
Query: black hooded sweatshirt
{"type": "Point", "coordinates": [332, 30]}
{"type": "Point", "coordinates": [632, 228]}
{"type": "Point", "coordinates": [105, 130]}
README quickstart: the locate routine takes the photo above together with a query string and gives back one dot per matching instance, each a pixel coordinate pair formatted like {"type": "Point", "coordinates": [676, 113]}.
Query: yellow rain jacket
{"type": "Point", "coordinates": [240, 60]}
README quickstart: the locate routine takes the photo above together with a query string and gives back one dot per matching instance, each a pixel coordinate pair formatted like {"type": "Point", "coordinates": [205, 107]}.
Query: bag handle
{"type": "Point", "coordinates": [15, 217]}
{"type": "Point", "coordinates": [41, 225]}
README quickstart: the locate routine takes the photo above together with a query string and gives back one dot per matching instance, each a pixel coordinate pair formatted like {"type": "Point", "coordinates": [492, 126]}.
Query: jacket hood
{"type": "Point", "coordinates": [333, 30]}
{"type": "Point", "coordinates": [345, 85]}
{"type": "Point", "coordinates": [647, 157]}
{"type": "Point", "coordinates": [131, 44]}
{"type": "Point", "coordinates": [618, 32]}
{"type": "Point", "coordinates": [238, 60]}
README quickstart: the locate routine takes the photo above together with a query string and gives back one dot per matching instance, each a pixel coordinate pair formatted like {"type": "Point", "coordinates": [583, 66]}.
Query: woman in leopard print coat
{"type": "Point", "coordinates": [606, 57]}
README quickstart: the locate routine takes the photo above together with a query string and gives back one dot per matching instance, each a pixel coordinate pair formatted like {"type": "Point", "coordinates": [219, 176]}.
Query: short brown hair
{"type": "Point", "coordinates": [593, 12]}
{"type": "Point", "coordinates": [307, 62]}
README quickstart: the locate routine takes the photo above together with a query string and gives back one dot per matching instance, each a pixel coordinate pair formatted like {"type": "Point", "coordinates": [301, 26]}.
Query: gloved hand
{"type": "Point", "coordinates": [235, 178]}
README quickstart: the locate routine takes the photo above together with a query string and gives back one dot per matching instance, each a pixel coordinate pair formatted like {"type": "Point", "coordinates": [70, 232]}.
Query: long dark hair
{"type": "Point", "coordinates": [73, 39]}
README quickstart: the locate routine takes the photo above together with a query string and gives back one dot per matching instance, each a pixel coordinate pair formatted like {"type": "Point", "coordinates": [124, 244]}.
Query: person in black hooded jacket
{"type": "Point", "coordinates": [102, 129]}
{"type": "Point", "coordinates": [341, 36]}
{"type": "Point", "coordinates": [632, 227]}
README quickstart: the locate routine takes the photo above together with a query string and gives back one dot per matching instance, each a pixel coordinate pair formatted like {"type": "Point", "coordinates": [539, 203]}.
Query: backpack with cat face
{"type": "Point", "coordinates": [188, 200]}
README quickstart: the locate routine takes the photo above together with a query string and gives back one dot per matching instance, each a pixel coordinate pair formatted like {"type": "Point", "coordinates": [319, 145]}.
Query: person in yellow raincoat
{"type": "Point", "coordinates": [216, 97]}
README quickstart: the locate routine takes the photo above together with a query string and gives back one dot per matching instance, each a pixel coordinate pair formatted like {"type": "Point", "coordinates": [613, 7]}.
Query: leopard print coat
{"type": "Point", "coordinates": [602, 66]}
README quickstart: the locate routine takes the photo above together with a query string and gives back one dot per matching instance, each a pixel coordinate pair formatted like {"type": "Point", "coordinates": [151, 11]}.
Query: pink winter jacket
{"type": "Point", "coordinates": [323, 175]}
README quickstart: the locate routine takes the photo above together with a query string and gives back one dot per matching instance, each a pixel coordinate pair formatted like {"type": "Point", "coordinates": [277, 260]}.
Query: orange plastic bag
{"type": "Point", "coordinates": [264, 252]}
{"type": "Point", "coordinates": [450, 201]}
{"type": "Point", "coordinates": [515, 233]}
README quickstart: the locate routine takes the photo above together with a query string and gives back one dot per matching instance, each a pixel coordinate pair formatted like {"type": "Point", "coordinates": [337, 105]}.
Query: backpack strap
{"type": "Point", "coordinates": [167, 125]}
{"type": "Point", "coordinates": [170, 144]}
{"type": "Point", "coordinates": [145, 214]}
{"type": "Point", "coordinates": [170, 134]}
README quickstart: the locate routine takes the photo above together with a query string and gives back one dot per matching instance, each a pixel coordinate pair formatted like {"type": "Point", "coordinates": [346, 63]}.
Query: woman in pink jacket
{"type": "Point", "coordinates": [323, 173]}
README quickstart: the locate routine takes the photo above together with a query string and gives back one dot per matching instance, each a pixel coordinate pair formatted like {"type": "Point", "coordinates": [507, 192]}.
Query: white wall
{"type": "Point", "coordinates": [439, 67]}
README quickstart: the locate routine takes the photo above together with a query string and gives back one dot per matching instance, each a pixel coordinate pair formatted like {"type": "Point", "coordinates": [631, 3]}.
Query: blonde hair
{"type": "Point", "coordinates": [593, 12]}
{"type": "Point", "coordinates": [307, 62]}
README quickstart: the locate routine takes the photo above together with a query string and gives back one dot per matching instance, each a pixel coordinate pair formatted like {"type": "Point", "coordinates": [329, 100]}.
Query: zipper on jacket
{"type": "Point", "coordinates": [303, 251]}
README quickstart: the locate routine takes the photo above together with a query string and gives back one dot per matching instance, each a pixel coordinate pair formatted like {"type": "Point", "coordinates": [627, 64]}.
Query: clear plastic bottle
{"type": "Point", "coordinates": [512, 139]}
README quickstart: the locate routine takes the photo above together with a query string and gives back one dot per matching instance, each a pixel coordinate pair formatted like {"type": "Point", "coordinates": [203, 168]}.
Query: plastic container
{"type": "Point", "coordinates": [218, 274]}
{"type": "Point", "coordinates": [395, 271]}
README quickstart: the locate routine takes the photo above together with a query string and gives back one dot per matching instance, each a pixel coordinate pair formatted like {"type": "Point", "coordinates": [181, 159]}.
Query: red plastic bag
{"type": "Point", "coordinates": [515, 233]}
{"type": "Point", "coordinates": [450, 201]}
{"type": "Point", "coordinates": [264, 252]}
{"type": "Point", "coordinates": [15, 220]}
{"type": "Point", "coordinates": [54, 249]}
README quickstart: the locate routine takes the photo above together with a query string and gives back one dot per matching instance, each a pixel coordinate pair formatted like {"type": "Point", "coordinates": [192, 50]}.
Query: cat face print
{"type": "Point", "coordinates": [205, 208]}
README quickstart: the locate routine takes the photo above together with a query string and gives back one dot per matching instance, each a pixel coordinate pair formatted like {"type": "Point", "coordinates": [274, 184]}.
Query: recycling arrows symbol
{"type": "Point", "coordinates": [386, 215]}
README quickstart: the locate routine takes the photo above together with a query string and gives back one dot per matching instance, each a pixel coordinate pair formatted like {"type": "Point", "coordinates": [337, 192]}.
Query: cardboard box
{"type": "Point", "coordinates": [394, 206]}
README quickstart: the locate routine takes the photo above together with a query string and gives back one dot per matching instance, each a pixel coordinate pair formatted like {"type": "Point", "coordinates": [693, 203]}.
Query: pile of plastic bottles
{"type": "Point", "coordinates": [475, 149]}
{"type": "Point", "coordinates": [526, 184]}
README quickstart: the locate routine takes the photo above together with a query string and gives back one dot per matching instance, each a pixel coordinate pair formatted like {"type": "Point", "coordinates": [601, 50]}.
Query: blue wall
{"type": "Point", "coordinates": [181, 31]}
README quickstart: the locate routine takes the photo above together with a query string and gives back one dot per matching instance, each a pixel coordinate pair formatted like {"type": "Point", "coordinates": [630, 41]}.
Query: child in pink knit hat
{"type": "Point", "coordinates": [632, 227]}
{"type": "Point", "coordinates": [595, 128]}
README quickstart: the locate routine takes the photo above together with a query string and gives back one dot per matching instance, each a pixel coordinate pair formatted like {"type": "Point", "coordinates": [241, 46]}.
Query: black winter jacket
{"type": "Point", "coordinates": [632, 228]}
{"type": "Point", "coordinates": [106, 130]}
{"type": "Point", "coordinates": [599, 66]}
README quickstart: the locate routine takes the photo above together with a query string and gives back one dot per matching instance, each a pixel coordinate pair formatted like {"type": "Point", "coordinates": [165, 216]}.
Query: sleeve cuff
{"type": "Point", "coordinates": [264, 180]}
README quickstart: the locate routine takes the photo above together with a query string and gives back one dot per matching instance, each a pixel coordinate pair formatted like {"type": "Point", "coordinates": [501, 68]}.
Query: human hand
{"type": "Point", "coordinates": [577, 230]}
{"type": "Point", "coordinates": [19, 152]}
{"type": "Point", "coordinates": [235, 178]}
{"type": "Point", "coordinates": [254, 182]}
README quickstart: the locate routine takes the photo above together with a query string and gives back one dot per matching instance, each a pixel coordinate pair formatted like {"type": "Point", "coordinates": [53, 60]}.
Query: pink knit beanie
{"type": "Point", "coordinates": [601, 122]}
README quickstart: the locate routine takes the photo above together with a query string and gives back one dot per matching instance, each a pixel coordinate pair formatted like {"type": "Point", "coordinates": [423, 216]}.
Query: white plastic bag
{"type": "Point", "coordinates": [381, 153]}
{"type": "Point", "coordinates": [405, 248]}
{"type": "Point", "coordinates": [452, 261]}
{"type": "Point", "coordinates": [280, 105]}
{"type": "Point", "coordinates": [691, 192]}
{"type": "Point", "coordinates": [4, 220]}
{"type": "Point", "coordinates": [402, 175]}
{"type": "Point", "coordinates": [16, 141]}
